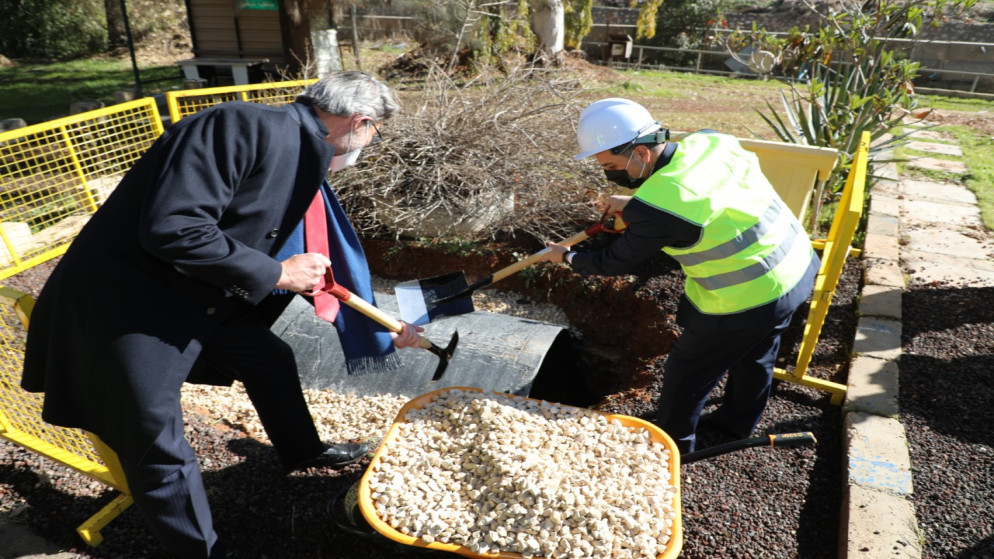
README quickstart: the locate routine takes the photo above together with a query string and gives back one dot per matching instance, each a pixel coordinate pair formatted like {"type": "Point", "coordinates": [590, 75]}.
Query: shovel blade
{"type": "Point", "coordinates": [416, 297]}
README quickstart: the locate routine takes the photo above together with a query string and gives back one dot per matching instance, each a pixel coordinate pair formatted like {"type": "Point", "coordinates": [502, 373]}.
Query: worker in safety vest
{"type": "Point", "coordinates": [749, 264]}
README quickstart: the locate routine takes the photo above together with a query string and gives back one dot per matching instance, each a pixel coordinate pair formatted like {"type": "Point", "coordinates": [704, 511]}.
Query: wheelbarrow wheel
{"type": "Point", "coordinates": [345, 513]}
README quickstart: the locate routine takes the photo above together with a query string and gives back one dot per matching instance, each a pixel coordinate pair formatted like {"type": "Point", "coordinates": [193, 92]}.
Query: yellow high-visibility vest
{"type": "Point", "coordinates": [752, 249]}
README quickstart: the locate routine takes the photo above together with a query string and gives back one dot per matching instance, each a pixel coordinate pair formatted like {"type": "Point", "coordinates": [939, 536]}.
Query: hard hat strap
{"type": "Point", "coordinates": [660, 136]}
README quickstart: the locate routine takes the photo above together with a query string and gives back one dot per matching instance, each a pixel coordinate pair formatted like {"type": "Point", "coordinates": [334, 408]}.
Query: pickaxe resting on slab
{"type": "Point", "coordinates": [421, 301]}
{"type": "Point", "coordinates": [385, 320]}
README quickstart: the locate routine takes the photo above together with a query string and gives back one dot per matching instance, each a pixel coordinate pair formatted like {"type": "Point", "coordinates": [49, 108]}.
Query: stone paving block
{"type": "Point", "coordinates": [880, 224]}
{"type": "Point", "coordinates": [931, 147]}
{"type": "Point", "coordinates": [943, 165]}
{"type": "Point", "coordinates": [885, 204]}
{"type": "Point", "coordinates": [882, 246]}
{"type": "Point", "coordinates": [881, 301]}
{"type": "Point", "coordinates": [879, 525]}
{"type": "Point", "coordinates": [962, 243]}
{"type": "Point", "coordinates": [883, 272]}
{"type": "Point", "coordinates": [873, 387]}
{"type": "Point", "coordinates": [886, 172]}
{"type": "Point", "coordinates": [889, 187]}
{"type": "Point", "coordinates": [934, 135]}
{"type": "Point", "coordinates": [877, 449]}
{"type": "Point", "coordinates": [923, 211]}
{"type": "Point", "coordinates": [922, 267]}
{"type": "Point", "coordinates": [878, 337]}
{"type": "Point", "coordinates": [938, 191]}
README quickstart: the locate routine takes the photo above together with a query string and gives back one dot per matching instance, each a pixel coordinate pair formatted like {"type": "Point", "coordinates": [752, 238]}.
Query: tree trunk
{"type": "Point", "coordinates": [117, 36]}
{"type": "Point", "coordinates": [549, 25]}
{"type": "Point", "coordinates": [295, 25]}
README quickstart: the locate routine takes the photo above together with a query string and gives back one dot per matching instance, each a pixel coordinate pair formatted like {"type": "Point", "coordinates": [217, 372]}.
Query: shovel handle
{"type": "Point", "coordinates": [385, 320]}
{"type": "Point", "coordinates": [783, 440]}
{"type": "Point", "coordinates": [358, 303]}
{"type": "Point", "coordinates": [537, 257]}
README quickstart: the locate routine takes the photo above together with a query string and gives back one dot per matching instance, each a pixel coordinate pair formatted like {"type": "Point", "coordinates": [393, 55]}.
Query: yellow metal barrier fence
{"type": "Point", "coordinates": [54, 175]}
{"type": "Point", "coordinates": [189, 101]}
{"type": "Point", "coordinates": [21, 422]}
{"type": "Point", "coordinates": [837, 248]}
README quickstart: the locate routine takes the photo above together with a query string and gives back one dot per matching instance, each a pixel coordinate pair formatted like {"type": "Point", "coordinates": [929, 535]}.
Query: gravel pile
{"type": "Point", "coordinates": [947, 408]}
{"type": "Point", "coordinates": [755, 503]}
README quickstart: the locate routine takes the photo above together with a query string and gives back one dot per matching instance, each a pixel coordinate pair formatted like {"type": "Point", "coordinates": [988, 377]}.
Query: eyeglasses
{"type": "Point", "coordinates": [377, 138]}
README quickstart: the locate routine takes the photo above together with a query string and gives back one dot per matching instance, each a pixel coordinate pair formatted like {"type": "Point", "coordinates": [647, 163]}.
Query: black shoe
{"type": "Point", "coordinates": [334, 456]}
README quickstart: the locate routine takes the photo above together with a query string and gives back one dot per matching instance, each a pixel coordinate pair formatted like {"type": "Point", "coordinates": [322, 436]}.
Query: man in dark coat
{"type": "Point", "coordinates": [175, 274]}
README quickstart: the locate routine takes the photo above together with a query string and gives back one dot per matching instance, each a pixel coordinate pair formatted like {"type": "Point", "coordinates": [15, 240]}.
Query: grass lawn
{"type": "Point", "coordinates": [38, 92]}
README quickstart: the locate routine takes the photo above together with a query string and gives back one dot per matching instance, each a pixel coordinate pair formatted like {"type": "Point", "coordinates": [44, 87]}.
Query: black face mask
{"type": "Point", "coordinates": [620, 177]}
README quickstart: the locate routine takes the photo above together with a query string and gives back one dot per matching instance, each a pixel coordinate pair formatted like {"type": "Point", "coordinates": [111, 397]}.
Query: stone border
{"type": "Point", "coordinates": [878, 513]}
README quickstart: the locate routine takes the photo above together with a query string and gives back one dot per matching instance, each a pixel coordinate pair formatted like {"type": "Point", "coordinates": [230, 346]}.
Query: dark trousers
{"type": "Point", "coordinates": [697, 363]}
{"type": "Point", "coordinates": [165, 481]}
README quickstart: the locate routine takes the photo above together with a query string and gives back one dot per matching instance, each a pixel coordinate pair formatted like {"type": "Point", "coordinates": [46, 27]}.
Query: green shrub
{"type": "Point", "coordinates": [59, 29]}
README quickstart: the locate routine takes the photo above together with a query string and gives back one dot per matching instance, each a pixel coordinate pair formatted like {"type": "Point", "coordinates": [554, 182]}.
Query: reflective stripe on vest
{"type": "Point", "coordinates": [752, 249]}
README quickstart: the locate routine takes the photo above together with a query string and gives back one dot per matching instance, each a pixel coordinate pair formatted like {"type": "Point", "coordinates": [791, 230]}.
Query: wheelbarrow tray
{"type": "Point", "coordinates": [368, 509]}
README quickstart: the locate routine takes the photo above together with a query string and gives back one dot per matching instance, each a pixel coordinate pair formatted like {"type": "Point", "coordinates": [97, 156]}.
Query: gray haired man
{"type": "Point", "coordinates": [176, 278]}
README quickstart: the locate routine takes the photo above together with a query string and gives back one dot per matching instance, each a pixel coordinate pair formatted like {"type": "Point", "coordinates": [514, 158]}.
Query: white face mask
{"type": "Point", "coordinates": [347, 159]}
{"type": "Point", "coordinates": [344, 160]}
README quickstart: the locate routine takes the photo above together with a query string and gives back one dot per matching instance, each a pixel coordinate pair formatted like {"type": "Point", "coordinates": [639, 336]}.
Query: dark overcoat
{"type": "Point", "coordinates": [185, 240]}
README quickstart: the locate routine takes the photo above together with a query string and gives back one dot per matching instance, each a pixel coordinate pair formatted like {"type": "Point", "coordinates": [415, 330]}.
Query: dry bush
{"type": "Point", "coordinates": [486, 159]}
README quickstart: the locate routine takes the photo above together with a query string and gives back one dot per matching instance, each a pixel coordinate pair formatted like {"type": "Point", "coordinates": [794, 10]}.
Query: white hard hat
{"type": "Point", "coordinates": [610, 123]}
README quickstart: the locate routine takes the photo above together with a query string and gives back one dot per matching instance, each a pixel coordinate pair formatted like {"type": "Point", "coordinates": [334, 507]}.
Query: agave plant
{"type": "Point", "coordinates": [837, 106]}
{"type": "Point", "coordinates": [856, 78]}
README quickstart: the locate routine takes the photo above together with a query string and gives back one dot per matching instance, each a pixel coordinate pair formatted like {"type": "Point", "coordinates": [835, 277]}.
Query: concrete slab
{"type": "Point", "coordinates": [883, 272]}
{"type": "Point", "coordinates": [885, 204]}
{"type": "Point", "coordinates": [879, 525]}
{"type": "Point", "coordinates": [943, 240]}
{"type": "Point", "coordinates": [873, 387]}
{"type": "Point", "coordinates": [926, 267]}
{"type": "Point", "coordinates": [877, 453]}
{"type": "Point", "coordinates": [878, 337]}
{"type": "Point", "coordinates": [942, 165]}
{"type": "Point", "coordinates": [889, 187]}
{"type": "Point", "coordinates": [938, 191]}
{"type": "Point", "coordinates": [878, 224]}
{"type": "Point", "coordinates": [881, 301]}
{"type": "Point", "coordinates": [934, 135]}
{"type": "Point", "coordinates": [931, 147]}
{"type": "Point", "coordinates": [882, 246]}
{"type": "Point", "coordinates": [948, 214]}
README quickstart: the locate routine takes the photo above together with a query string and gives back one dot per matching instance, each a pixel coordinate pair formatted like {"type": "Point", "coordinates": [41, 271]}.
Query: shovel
{"type": "Point", "coordinates": [385, 320]}
{"type": "Point", "coordinates": [423, 300]}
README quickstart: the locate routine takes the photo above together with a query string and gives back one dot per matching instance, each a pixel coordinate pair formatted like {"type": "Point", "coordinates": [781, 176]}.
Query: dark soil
{"type": "Point", "coordinates": [760, 502]}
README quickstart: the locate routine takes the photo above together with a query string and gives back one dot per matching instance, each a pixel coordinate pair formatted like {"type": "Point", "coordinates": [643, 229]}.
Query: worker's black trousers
{"type": "Point", "coordinates": [696, 364]}
{"type": "Point", "coordinates": [166, 482]}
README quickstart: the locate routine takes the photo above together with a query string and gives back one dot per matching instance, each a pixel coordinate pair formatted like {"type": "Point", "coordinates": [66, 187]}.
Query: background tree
{"type": "Point", "coordinates": [60, 29]}
{"type": "Point", "coordinates": [295, 25]}
{"type": "Point", "coordinates": [117, 35]}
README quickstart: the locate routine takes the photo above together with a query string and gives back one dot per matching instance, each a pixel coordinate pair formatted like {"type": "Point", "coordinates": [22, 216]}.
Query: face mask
{"type": "Point", "coordinates": [621, 178]}
{"type": "Point", "coordinates": [344, 160]}
{"type": "Point", "coordinates": [347, 159]}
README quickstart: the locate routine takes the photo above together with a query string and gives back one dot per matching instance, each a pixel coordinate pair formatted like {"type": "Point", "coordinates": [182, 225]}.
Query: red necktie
{"type": "Point", "coordinates": [316, 240]}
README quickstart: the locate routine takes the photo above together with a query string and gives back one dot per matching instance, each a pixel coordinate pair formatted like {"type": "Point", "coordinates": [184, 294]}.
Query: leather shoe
{"type": "Point", "coordinates": [334, 456]}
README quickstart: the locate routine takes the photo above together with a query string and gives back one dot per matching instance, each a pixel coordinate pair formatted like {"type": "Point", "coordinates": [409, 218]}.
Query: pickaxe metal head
{"type": "Point", "coordinates": [443, 355]}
